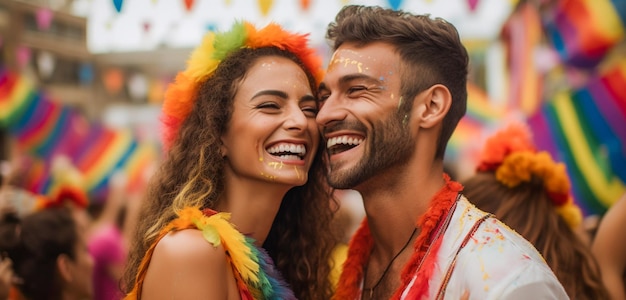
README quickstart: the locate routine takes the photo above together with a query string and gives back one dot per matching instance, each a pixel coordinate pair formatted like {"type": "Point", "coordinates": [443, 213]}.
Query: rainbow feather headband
{"type": "Point", "coordinates": [181, 94]}
{"type": "Point", "coordinates": [512, 155]}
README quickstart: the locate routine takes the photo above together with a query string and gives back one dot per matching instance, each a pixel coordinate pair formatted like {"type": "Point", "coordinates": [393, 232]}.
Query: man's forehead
{"type": "Point", "coordinates": [373, 60]}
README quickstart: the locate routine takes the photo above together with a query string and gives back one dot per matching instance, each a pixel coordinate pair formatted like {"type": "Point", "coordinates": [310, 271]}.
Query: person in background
{"type": "Point", "coordinates": [109, 234]}
{"type": "Point", "coordinates": [13, 197]}
{"type": "Point", "coordinates": [394, 91]}
{"type": "Point", "coordinates": [609, 248]}
{"type": "Point", "coordinates": [49, 254]}
{"type": "Point", "coordinates": [6, 277]}
{"type": "Point", "coordinates": [527, 190]}
{"type": "Point", "coordinates": [17, 204]}
{"type": "Point", "coordinates": [239, 208]}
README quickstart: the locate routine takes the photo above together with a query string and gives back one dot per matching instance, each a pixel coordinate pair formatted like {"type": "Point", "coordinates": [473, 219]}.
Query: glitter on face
{"type": "Point", "coordinates": [268, 65]}
{"type": "Point", "coordinates": [346, 61]}
{"type": "Point", "coordinates": [297, 173]}
{"type": "Point", "coordinates": [276, 165]}
{"type": "Point", "coordinates": [268, 176]}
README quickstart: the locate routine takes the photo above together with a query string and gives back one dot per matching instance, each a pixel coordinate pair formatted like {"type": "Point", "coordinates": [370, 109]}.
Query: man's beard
{"type": "Point", "coordinates": [389, 145]}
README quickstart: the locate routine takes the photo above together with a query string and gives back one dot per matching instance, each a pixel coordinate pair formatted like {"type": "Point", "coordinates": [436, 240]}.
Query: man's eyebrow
{"type": "Point", "coordinates": [350, 77]}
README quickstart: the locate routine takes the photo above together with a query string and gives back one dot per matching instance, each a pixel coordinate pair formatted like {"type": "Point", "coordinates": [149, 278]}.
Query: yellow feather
{"type": "Point", "coordinates": [201, 64]}
{"type": "Point", "coordinates": [217, 230]}
{"type": "Point", "coordinates": [235, 243]}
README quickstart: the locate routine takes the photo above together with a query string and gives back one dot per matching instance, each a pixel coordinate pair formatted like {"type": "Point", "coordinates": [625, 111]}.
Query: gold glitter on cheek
{"type": "Point", "coordinates": [270, 177]}
{"type": "Point", "coordinates": [276, 165]}
{"type": "Point", "coordinates": [298, 174]}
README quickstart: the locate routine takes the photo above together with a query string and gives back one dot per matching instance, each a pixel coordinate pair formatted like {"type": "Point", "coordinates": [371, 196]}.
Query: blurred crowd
{"type": "Point", "coordinates": [64, 245]}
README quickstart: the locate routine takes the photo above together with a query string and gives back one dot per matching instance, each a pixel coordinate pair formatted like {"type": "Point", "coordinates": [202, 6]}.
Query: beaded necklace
{"type": "Point", "coordinates": [380, 278]}
{"type": "Point", "coordinates": [350, 282]}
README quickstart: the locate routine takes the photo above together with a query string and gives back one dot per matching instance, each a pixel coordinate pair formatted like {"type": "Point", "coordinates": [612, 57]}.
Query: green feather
{"type": "Point", "coordinates": [210, 234]}
{"type": "Point", "coordinates": [229, 41]}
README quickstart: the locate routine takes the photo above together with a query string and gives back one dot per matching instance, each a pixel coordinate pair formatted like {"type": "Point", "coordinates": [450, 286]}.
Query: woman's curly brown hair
{"type": "Point", "coordinates": [300, 241]}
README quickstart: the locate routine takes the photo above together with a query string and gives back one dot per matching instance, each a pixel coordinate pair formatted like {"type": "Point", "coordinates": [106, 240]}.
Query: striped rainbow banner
{"type": "Point", "coordinates": [586, 129]}
{"type": "Point", "coordinates": [582, 31]}
{"type": "Point", "coordinates": [44, 128]}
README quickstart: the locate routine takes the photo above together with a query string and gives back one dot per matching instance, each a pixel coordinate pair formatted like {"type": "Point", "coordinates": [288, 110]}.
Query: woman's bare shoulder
{"type": "Point", "coordinates": [184, 265]}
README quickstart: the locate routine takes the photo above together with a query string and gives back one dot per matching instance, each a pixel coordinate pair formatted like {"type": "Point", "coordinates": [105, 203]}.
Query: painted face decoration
{"type": "Point", "coordinates": [272, 135]}
{"type": "Point", "coordinates": [360, 117]}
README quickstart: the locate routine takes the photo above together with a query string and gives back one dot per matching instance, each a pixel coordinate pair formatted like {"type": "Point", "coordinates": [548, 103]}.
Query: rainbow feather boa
{"type": "Point", "coordinates": [256, 275]}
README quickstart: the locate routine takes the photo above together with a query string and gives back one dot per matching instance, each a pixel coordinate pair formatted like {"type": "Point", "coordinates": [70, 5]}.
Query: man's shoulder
{"type": "Point", "coordinates": [495, 257]}
{"type": "Point", "coordinates": [492, 236]}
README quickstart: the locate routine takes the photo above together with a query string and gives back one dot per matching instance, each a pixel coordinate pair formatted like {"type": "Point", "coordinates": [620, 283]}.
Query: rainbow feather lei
{"type": "Point", "coordinates": [256, 275]}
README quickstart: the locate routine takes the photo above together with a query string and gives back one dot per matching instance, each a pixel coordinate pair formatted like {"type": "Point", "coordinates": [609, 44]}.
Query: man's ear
{"type": "Point", "coordinates": [63, 265]}
{"type": "Point", "coordinates": [433, 106]}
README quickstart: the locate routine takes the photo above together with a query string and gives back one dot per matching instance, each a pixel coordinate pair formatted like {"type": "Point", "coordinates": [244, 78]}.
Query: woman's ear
{"type": "Point", "coordinates": [64, 268]}
{"type": "Point", "coordinates": [433, 105]}
{"type": "Point", "coordinates": [223, 150]}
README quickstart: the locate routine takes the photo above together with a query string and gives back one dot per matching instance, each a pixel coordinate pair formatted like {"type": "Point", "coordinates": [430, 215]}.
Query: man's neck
{"type": "Point", "coordinates": [393, 208]}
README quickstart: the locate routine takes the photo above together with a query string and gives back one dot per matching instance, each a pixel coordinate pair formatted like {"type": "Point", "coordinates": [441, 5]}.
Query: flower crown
{"type": "Point", "coordinates": [512, 155]}
{"type": "Point", "coordinates": [182, 93]}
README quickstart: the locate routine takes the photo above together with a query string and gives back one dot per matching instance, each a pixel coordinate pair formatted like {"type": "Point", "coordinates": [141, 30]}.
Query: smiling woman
{"type": "Point", "coordinates": [272, 134]}
{"type": "Point", "coordinates": [242, 187]}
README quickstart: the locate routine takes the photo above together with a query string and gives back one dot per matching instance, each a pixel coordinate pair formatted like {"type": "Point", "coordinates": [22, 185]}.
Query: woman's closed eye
{"type": "Point", "coordinates": [310, 111]}
{"type": "Point", "coordinates": [268, 106]}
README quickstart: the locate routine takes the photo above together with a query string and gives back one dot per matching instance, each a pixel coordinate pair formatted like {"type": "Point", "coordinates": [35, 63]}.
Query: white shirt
{"type": "Point", "coordinates": [496, 263]}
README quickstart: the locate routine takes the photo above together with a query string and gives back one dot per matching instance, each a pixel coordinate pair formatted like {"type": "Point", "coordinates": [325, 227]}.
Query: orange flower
{"type": "Point", "coordinates": [511, 154]}
{"type": "Point", "coordinates": [514, 138]}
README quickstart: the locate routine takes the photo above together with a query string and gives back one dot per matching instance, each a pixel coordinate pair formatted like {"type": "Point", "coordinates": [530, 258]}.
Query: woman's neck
{"type": "Point", "coordinates": [253, 206]}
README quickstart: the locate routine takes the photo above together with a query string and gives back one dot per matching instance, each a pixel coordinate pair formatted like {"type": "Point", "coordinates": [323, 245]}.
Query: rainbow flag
{"type": "Point", "coordinates": [44, 129]}
{"type": "Point", "coordinates": [582, 31]}
{"type": "Point", "coordinates": [522, 34]}
{"type": "Point", "coordinates": [586, 130]}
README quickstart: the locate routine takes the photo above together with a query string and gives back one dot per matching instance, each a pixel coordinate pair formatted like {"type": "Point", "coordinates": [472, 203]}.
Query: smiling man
{"type": "Point", "coordinates": [394, 92]}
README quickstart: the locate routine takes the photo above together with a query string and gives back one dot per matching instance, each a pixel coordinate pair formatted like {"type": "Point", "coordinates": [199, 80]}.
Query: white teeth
{"type": "Point", "coordinates": [346, 140]}
{"type": "Point", "coordinates": [289, 157]}
{"type": "Point", "coordinates": [297, 150]}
